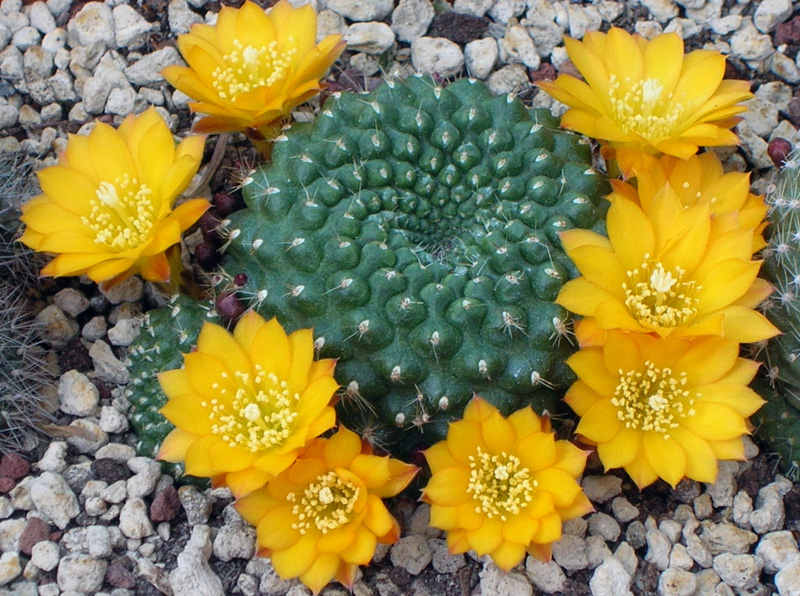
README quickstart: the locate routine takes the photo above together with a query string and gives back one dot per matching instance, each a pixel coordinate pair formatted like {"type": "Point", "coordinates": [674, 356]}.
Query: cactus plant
{"type": "Point", "coordinates": [168, 332]}
{"type": "Point", "coordinates": [779, 420]}
{"type": "Point", "coordinates": [22, 367]}
{"type": "Point", "coordinates": [415, 228]}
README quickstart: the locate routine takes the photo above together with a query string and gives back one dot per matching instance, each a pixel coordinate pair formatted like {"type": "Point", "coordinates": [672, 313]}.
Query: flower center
{"type": "Point", "coordinates": [500, 484]}
{"type": "Point", "coordinates": [643, 109]}
{"type": "Point", "coordinates": [327, 503]}
{"type": "Point", "coordinates": [659, 297]}
{"type": "Point", "coordinates": [122, 214]}
{"type": "Point", "coordinates": [653, 399]}
{"type": "Point", "coordinates": [258, 416]}
{"type": "Point", "coordinates": [250, 68]}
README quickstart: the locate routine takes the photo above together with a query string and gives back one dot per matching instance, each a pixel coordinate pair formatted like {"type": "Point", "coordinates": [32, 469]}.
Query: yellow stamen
{"type": "Point", "coordinates": [258, 416]}
{"type": "Point", "coordinates": [251, 68]}
{"type": "Point", "coordinates": [327, 503]}
{"type": "Point", "coordinates": [652, 400]}
{"type": "Point", "coordinates": [122, 215]}
{"type": "Point", "coordinates": [500, 485]}
{"type": "Point", "coordinates": [658, 297]}
{"type": "Point", "coordinates": [643, 110]}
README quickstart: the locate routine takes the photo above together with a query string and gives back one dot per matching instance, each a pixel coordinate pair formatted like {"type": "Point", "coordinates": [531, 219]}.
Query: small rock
{"type": "Point", "coordinates": [787, 580]}
{"type": "Point", "coordinates": [680, 557]}
{"type": "Point", "coordinates": [599, 489]}
{"type": "Point", "coordinates": [635, 534]}
{"type": "Point", "coordinates": [9, 567]}
{"type": "Point", "coordinates": [193, 576]}
{"type": "Point", "coordinates": [362, 10]}
{"type": "Point", "coordinates": [547, 577]}
{"type": "Point", "coordinates": [10, 533]}
{"type": "Point", "coordinates": [501, 583]}
{"type": "Point", "coordinates": [81, 573]}
{"type": "Point", "coordinates": [56, 328]}
{"type": "Point", "coordinates": [748, 44]}
{"type": "Point", "coordinates": [771, 13]}
{"type": "Point", "coordinates": [676, 582]}
{"type": "Point", "coordinates": [26, 38]}
{"type": "Point", "coordinates": [116, 452]}
{"type": "Point", "coordinates": [196, 505]}
{"type": "Point", "coordinates": [52, 496]}
{"type": "Point", "coordinates": [785, 68]}
{"type": "Point", "coordinates": [181, 17]}
{"type": "Point", "coordinates": [121, 101]}
{"type": "Point", "coordinates": [597, 551]}
{"type": "Point", "coordinates": [166, 505]}
{"type": "Point", "coordinates": [504, 10]}
{"type": "Point", "coordinates": [235, 539]}
{"type": "Point", "coordinates": [480, 56]}
{"type": "Point", "coordinates": [610, 579]}
{"type": "Point", "coordinates": [518, 47]}
{"type": "Point", "coordinates": [627, 556]}
{"type": "Point", "coordinates": [412, 553]}
{"type": "Point", "coordinates": [132, 289]}
{"type": "Point", "coordinates": [420, 522]}
{"type": "Point", "coordinates": [119, 573]}
{"type": "Point", "coordinates": [88, 437]}
{"type": "Point", "coordinates": [53, 459]}
{"type": "Point", "coordinates": [133, 520]}
{"type": "Point", "coordinates": [604, 525]}
{"type": "Point", "coordinates": [777, 549]}
{"type": "Point", "coordinates": [99, 541]}
{"type": "Point", "coordinates": [411, 19]}
{"type": "Point", "coordinates": [14, 466]}
{"type": "Point", "coordinates": [147, 472]}
{"type": "Point", "coordinates": [36, 531]}
{"type": "Point", "coordinates": [509, 79]}
{"type": "Point", "coordinates": [570, 553]}
{"type": "Point", "coordinates": [45, 555]}
{"type": "Point", "coordinates": [623, 510]}
{"type": "Point", "coordinates": [95, 329]}
{"type": "Point", "coordinates": [724, 537]}
{"type": "Point", "coordinates": [697, 550]}
{"type": "Point", "coordinates": [476, 8]}
{"type": "Point", "coordinates": [71, 301]}
{"type": "Point", "coordinates": [768, 516]}
{"type": "Point", "coordinates": [742, 508]}
{"type": "Point", "coordinates": [93, 23]}
{"type": "Point", "coordinates": [115, 493]}
{"type": "Point", "coordinates": [77, 394]}
{"type": "Point", "coordinates": [724, 489]}
{"type": "Point", "coordinates": [658, 548]}
{"type": "Point", "coordinates": [370, 38]}
{"type": "Point", "coordinates": [131, 28]}
{"type": "Point", "coordinates": [112, 420]}
{"type": "Point", "coordinates": [41, 17]}
{"type": "Point", "coordinates": [107, 366]}
{"type": "Point", "coordinates": [738, 571]}
{"type": "Point", "coordinates": [436, 55]}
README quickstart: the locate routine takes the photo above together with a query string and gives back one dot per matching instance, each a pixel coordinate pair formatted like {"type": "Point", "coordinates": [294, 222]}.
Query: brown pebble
{"type": "Point", "coordinates": [14, 466]}
{"type": "Point", "coordinates": [36, 531]}
{"type": "Point", "coordinates": [166, 505]}
{"type": "Point", "coordinates": [6, 484]}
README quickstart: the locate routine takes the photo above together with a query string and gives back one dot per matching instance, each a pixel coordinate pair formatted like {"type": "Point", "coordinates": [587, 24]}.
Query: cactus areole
{"type": "Point", "coordinates": [415, 228]}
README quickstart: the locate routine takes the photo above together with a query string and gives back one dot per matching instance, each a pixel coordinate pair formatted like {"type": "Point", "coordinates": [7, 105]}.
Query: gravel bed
{"type": "Point", "coordinates": [83, 514]}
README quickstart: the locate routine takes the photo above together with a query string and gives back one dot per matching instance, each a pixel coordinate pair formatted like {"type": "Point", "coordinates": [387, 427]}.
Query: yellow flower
{"type": "Point", "coordinates": [503, 487]}
{"type": "Point", "coordinates": [106, 208]}
{"type": "Point", "coordinates": [252, 67]}
{"type": "Point", "coordinates": [322, 518]}
{"type": "Point", "coordinates": [647, 95]}
{"type": "Point", "coordinates": [245, 404]}
{"type": "Point", "coordinates": [663, 407]}
{"type": "Point", "coordinates": [699, 179]}
{"type": "Point", "coordinates": [673, 269]}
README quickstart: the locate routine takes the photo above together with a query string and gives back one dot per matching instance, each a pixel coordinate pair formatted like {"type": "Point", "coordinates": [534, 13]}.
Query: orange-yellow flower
{"type": "Point", "coordinates": [672, 269]}
{"type": "Point", "coordinates": [663, 407]}
{"type": "Point", "coordinates": [503, 487]}
{"type": "Point", "coordinates": [322, 518]}
{"type": "Point", "coordinates": [106, 208]}
{"type": "Point", "coordinates": [252, 67]}
{"type": "Point", "coordinates": [699, 179]}
{"type": "Point", "coordinates": [246, 404]}
{"type": "Point", "coordinates": [647, 95]}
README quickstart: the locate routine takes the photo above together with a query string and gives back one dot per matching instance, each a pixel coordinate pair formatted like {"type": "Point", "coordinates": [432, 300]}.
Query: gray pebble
{"type": "Point", "coordinates": [81, 573]}
{"type": "Point", "coordinates": [77, 395]}
{"type": "Point", "coordinates": [235, 539]}
{"type": "Point", "coordinates": [570, 553]}
{"type": "Point", "coordinates": [45, 555]}
{"type": "Point", "coordinates": [411, 19]}
{"type": "Point", "coordinates": [738, 571]}
{"type": "Point", "coordinates": [133, 519]}
{"type": "Point", "coordinates": [599, 489]}
{"type": "Point", "coordinates": [787, 580]}
{"type": "Point", "coordinates": [52, 496]}
{"type": "Point", "coordinates": [676, 582]}
{"type": "Point", "coordinates": [501, 583]}
{"type": "Point", "coordinates": [623, 510]}
{"type": "Point", "coordinates": [777, 549]}
{"type": "Point", "coordinates": [412, 553]}
{"type": "Point", "coordinates": [610, 579]}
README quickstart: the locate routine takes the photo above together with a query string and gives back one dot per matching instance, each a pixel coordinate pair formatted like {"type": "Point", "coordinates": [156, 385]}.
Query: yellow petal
{"type": "Point", "coordinates": [561, 486]}
{"type": "Point", "coordinates": [701, 463]}
{"type": "Point", "coordinates": [186, 412]}
{"type": "Point", "coordinates": [666, 456]}
{"type": "Point", "coordinates": [508, 555]}
{"type": "Point", "coordinates": [377, 518]}
{"type": "Point", "coordinates": [340, 450]}
{"type": "Point", "coordinates": [270, 349]}
{"type": "Point", "coordinates": [590, 367]}
{"type": "Point", "coordinates": [487, 537]}
{"type": "Point", "coordinates": [743, 400]}
{"type": "Point", "coordinates": [197, 463]}
{"type": "Point", "coordinates": [582, 297]}
{"type": "Point", "coordinates": [246, 329]}
{"type": "Point", "coordinates": [173, 447]}
{"type": "Point", "coordinates": [448, 487]}
{"type": "Point", "coordinates": [640, 471]}
{"type": "Point", "coordinates": [600, 423]}
{"type": "Point", "coordinates": [715, 422]}
{"type": "Point", "coordinates": [444, 518]}
{"type": "Point", "coordinates": [438, 457]}
{"type": "Point", "coordinates": [580, 397]}
{"type": "Point", "coordinates": [246, 481]}
{"type": "Point", "coordinates": [744, 325]}
{"type": "Point", "coordinates": [275, 530]}
{"type": "Point", "coordinates": [301, 348]}
{"type": "Point", "coordinates": [321, 572]}
{"type": "Point", "coordinates": [361, 550]}
{"type": "Point", "coordinates": [498, 434]}
{"type": "Point", "coordinates": [537, 451]}
{"type": "Point", "coordinates": [295, 560]}
{"type": "Point", "coordinates": [218, 343]}
{"type": "Point", "coordinates": [621, 450]}
{"type": "Point", "coordinates": [223, 457]}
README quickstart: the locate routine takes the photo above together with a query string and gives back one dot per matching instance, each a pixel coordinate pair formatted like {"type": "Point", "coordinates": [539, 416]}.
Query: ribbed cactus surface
{"type": "Point", "coordinates": [779, 420]}
{"type": "Point", "coordinates": [415, 228]}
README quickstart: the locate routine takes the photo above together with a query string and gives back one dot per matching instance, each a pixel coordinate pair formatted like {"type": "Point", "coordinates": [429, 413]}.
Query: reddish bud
{"type": "Point", "coordinates": [229, 306]}
{"type": "Point", "coordinates": [778, 151]}
{"type": "Point", "coordinates": [209, 222]}
{"type": "Point", "coordinates": [228, 203]}
{"type": "Point", "coordinates": [240, 279]}
{"type": "Point", "coordinates": [207, 256]}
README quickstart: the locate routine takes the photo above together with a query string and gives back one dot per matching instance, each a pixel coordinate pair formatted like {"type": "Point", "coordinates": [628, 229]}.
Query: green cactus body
{"type": "Point", "coordinates": [415, 228]}
{"type": "Point", "coordinates": [168, 332]}
{"type": "Point", "coordinates": [779, 419]}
